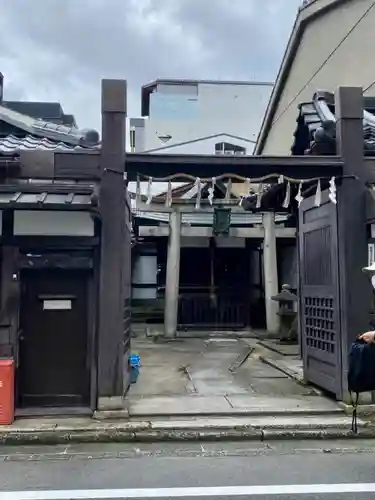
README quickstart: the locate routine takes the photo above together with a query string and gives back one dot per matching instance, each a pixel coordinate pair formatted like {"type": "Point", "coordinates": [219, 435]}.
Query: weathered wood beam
{"type": "Point", "coordinates": [60, 261]}
{"type": "Point", "coordinates": [78, 165]}
{"type": "Point", "coordinates": [111, 356]}
{"type": "Point", "coordinates": [53, 207]}
{"type": "Point", "coordinates": [55, 188]}
{"type": "Point", "coordinates": [355, 289]}
{"type": "Point", "coordinates": [299, 167]}
{"type": "Point", "coordinates": [86, 165]}
{"type": "Point", "coordinates": [67, 242]}
{"type": "Point", "coordinates": [206, 232]}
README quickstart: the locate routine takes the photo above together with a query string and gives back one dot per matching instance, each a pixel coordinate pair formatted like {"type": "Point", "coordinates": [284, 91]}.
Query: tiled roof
{"type": "Point", "coordinates": [48, 111]}
{"type": "Point", "coordinates": [43, 134]}
{"type": "Point", "coordinates": [316, 126]}
{"type": "Point", "coordinates": [45, 199]}
{"type": "Point", "coordinates": [11, 144]}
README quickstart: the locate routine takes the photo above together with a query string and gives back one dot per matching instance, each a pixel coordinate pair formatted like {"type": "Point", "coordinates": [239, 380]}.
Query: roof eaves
{"type": "Point", "coordinates": [319, 117]}
{"type": "Point", "coordinates": [48, 130]}
{"type": "Point", "coordinates": [305, 14]}
{"type": "Point", "coordinates": [177, 192]}
{"type": "Point", "coordinates": [13, 145]}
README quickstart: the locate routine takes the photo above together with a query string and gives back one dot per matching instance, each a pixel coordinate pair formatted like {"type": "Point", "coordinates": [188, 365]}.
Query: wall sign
{"type": "Point", "coordinates": [53, 223]}
{"type": "Point", "coordinates": [57, 304]}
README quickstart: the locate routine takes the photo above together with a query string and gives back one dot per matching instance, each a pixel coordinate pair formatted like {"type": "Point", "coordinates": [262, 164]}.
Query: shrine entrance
{"type": "Point", "coordinates": [214, 290]}
{"type": "Point", "coordinates": [334, 296]}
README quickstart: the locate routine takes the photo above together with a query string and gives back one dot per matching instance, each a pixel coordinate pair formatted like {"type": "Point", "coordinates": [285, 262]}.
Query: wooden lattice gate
{"type": "Point", "coordinates": [319, 294]}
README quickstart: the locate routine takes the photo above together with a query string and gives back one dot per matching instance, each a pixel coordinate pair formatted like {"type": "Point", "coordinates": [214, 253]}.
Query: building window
{"type": "Point", "coordinates": [174, 107]}
{"type": "Point", "coordinates": [226, 148]}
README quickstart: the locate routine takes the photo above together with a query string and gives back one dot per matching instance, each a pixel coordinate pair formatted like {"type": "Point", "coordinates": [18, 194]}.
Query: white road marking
{"type": "Point", "coordinates": [211, 491]}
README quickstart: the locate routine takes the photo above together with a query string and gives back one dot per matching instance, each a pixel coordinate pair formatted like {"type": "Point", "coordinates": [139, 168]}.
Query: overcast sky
{"type": "Point", "coordinates": [58, 50]}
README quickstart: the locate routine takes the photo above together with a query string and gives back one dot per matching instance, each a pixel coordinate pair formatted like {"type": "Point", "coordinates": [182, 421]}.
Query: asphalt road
{"type": "Point", "coordinates": [292, 470]}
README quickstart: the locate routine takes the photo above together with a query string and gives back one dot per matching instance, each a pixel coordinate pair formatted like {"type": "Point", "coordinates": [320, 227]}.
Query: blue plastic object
{"type": "Point", "coordinates": [134, 374]}
{"type": "Point", "coordinates": [135, 360]}
{"type": "Point", "coordinates": [134, 364]}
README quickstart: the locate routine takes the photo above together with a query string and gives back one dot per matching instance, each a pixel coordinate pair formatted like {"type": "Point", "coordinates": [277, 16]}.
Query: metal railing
{"type": "Point", "coordinates": [197, 309]}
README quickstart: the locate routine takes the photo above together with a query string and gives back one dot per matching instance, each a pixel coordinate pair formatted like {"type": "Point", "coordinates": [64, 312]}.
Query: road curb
{"type": "Point", "coordinates": [298, 434]}
{"type": "Point", "coordinates": [108, 435]}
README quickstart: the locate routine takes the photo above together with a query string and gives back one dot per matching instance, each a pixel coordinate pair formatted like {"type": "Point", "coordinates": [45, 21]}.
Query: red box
{"type": "Point", "coordinates": [6, 391]}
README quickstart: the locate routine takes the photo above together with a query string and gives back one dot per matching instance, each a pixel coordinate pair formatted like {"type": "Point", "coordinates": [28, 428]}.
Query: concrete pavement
{"type": "Point", "coordinates": [307, 470]}
{"type": "Point", "coordinates": [211, 389]}
{"type": "Point", "coordinates": [220, 377]}
{"type": "Point", "coordinates": [224, 367]}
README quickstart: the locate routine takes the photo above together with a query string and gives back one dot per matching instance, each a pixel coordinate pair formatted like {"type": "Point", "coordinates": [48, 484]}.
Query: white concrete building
{"type": "Point", "coordinates": [199, 117]}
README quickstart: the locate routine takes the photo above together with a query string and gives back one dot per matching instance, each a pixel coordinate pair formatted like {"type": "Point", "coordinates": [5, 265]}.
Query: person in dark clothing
{"type": "Point", "coordinates": [369, 336]}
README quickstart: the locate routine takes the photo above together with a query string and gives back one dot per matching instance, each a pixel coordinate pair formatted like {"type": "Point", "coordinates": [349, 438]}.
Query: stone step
{"type": "Point", "coordinates": [293, 422]}
{"type": "Point", "coordinates": [231, 405]}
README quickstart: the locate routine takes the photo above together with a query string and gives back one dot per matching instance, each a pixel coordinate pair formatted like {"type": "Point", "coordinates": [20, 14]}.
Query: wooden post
{"type": "Point", "coordinates": [172, 275]}
{"type": "Point", "coordinates": [112, 209]}
{"type": "Point", "coordinates": [271, 285]}
{"type": "Point", "coordinates": [355, 290]}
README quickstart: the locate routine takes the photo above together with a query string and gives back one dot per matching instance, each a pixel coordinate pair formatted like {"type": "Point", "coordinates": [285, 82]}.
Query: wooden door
{"type": "Point", "coordinates": [53, 362]}
{"type": "Point", "coordinates": [319, 294]}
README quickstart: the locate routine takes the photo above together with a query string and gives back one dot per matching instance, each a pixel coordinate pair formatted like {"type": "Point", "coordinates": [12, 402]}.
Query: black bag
{"type": "Point", "coordinates": [361, 373]}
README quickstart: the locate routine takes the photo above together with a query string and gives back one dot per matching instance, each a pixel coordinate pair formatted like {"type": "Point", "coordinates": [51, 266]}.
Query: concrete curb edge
{"type": "Point", "coordinates": [150, 435]}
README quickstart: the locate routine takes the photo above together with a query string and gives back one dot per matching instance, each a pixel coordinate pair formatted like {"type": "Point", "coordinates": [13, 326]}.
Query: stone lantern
{"type": "Point", "coordinates": [288, 317]}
